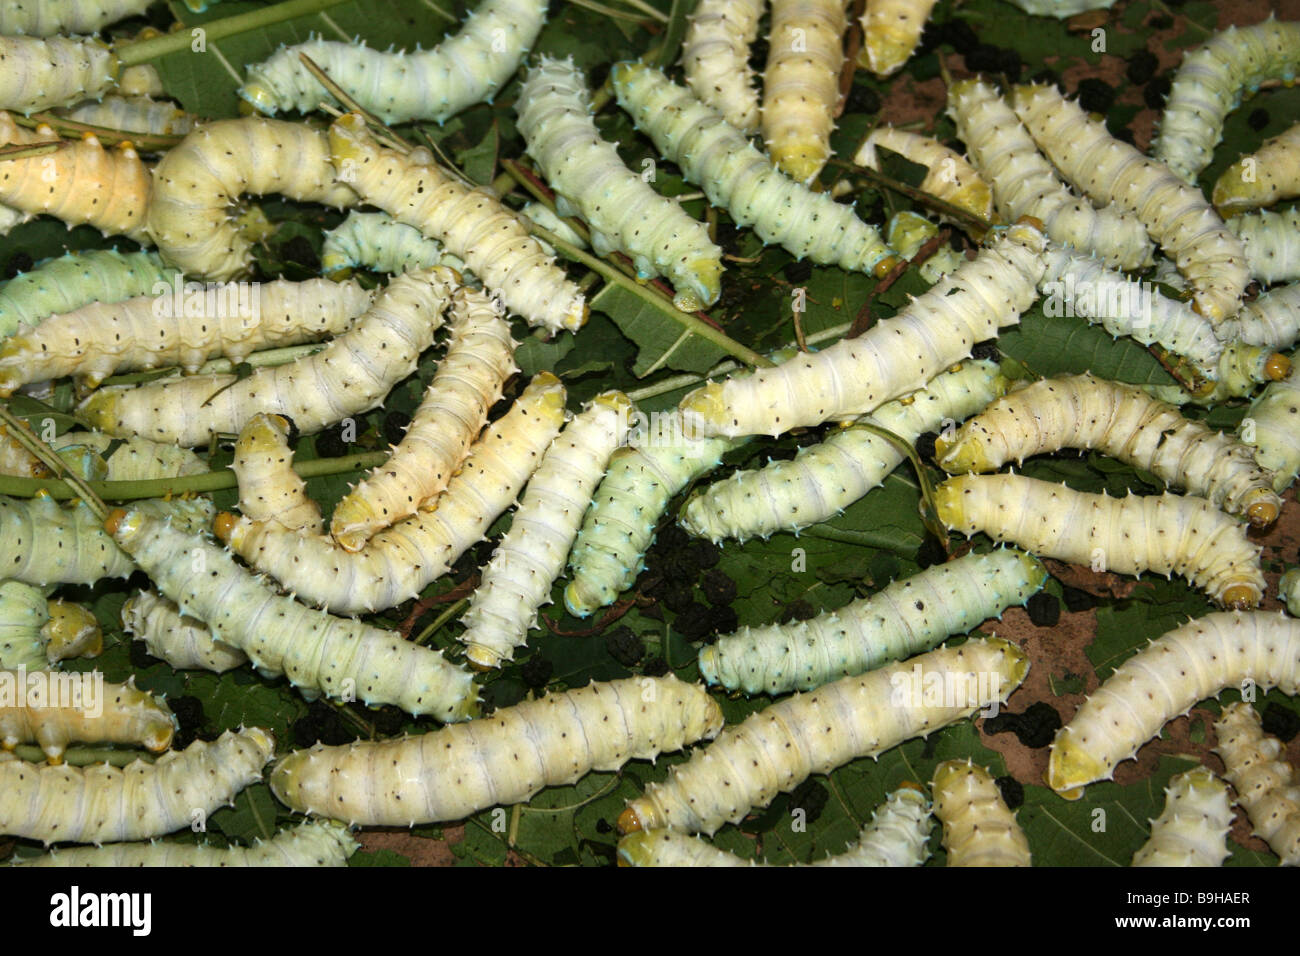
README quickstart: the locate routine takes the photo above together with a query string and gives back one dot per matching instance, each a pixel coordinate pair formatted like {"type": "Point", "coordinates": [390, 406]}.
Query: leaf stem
{"type": "Point", "coordinates": [80, 488]}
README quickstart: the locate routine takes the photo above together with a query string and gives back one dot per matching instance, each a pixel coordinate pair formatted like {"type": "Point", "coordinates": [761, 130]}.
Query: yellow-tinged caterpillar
{"type": "Point", "coordinates": [1270, 426]}
{"type": "Point", "coordinates": [715, 58]}
{"type": "Point", "coordinates": [181, 641]}
{"type": "Point", "coordinates": [908, 231]}
{"type": "Point", "coordinates": [951, 177]}
{"type": "Point", "coordinates": [978, 829]}
{"type": "Point", "coordinates": [1241, 370]}
{"type": "Point", "coordinates": [269, 489]}
{"type": "Point", "coordinates": [1272, 243]}
{"type": "Point", "coordinates": [1266, 176]}
{"type": "Point", "coordinates": [1192, 829]}
{"type": "Point", "coordinates": [73, 631]}
{"type": "Point", "coordinates": [1265, 783]}
{"type": "Point", "coordinates": [891, 31]}
{"type": "Point", "coordinates": [41, 74]}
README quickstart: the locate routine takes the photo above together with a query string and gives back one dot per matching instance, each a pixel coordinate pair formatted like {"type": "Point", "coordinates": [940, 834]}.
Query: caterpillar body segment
{"type": "Point", "coordinates": [891, 32]}
{"type": "Point", "coordinates": [1272, 243]}
{"type": "Point", "coordinates": [133, 114]}
{"type": "Point", "coordinates": [907, 232]}
{"type": "Point", "coordinates": [23, 615]}
{"type": "Point", "coordinates": [715, 58]}
{"type": "Point", "coordinates": [1272, 320]}
{"type": "Point", "coordinates": [1267, 176]}
{"type": "Point", "coordinates": [951, 176]}
{"type": "Point", "coordinates": [978, 829]}
{"type": "Point", "coordinates": [42, 74]}
{"type": "Point", "coordinates": [269, 489]}
{"type": "Point", "coordinates": [181, 641]}
{"type": "Point", "coordinates": [50, 19]}
{"type": "Point", "coordinates": [1241, 370]}
{"type": "Point", "coordinates": [90, 710]}
{"type": "Point", "coordinates": [1270, 426]}
{"type": "Point", "coordinates": [1192, 829]}
{"type": "Point", "coordinates": [1265, 783]}
{"type": "Point", "coordinates": [73, 631]}
{"type": "Point", "coordinates": [377, 241]}
{"type": "Point", "coordinates": [1061, 9]}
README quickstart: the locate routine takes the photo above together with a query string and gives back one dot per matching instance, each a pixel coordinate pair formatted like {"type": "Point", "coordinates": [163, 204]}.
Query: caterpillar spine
{"type": "Point", "coordinates": [1264, 781]}
{"type": "Point", "coordinates": [978, 829]}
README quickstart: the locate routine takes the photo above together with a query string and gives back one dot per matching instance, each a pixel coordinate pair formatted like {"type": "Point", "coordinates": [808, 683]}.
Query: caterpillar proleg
{"type": "Point", "coordinates": [1264, 781]}
{"type": "Point", "coordinates": [951, 177]}
{"type": "Point", "coordinates": [41, 74]}
{"type": "Point", "coordinates": [1272, 243]}
{"type": "Point", "coordinates": [1270, 425]}
{"type": "Point", "coordinates": [374, 240]}
{"type": "Point", "coordinates": [1267, 176]}
{"type": "Point", "coordinates": [891, 31]}
{"type": "Point", "coordinates": [1193, 827]}
{"type": "Point", "coordinates": [55, 17]}
{"type": "Point", "coordinates": [500, 760]}
{"type": "Point", "coordinates": [715, 58]}
{"type": "Point", "coordinates": [269, 489]}
{"type": "Point", "coordinates": [777, 748]}
{"type": "Point", "coordinates": [181, 641]}
{"type": "Point", "coordinates": [978, 829]}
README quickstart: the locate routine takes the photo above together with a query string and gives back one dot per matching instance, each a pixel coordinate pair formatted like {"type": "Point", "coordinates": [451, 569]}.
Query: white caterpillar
{"type": "Point", "coordinates": [1122, 421]}
{"type": "Point", "coordinates": [1264, 781]}
{"type": "Point", "coordinates": [492, 240]}
{"type": "Point", "coordinates": [80, 183]}
{"type": "Point", "coordinates": [978, 829]}
{"type": "Point", "coordinates": [951, 177]}
{"type": "Point", "coordinates": [105, 804]}
{"type": "Point", "coordinates": [624, 212]}
{"type": "Point", "coordinates": [737, 177]}
{"type": "Point", "coordinates": [824, 479]}
{"type": "Point", "coordinates": [801, 84]}
{"type": "Point", "coordinates": [897, 835]}
{"type": "Point", "coordinates": [197, 182]}
{"type": "Point", "coordinates": [1210, 83]}
{"type": "Point", "coordinates": [908, 231]}
{"type": "Point", "coordinates": [374, 240]}
{"type": "Point", "coordinates": [619, 527]}
{"type": "Point", "coordinates": [1024, 183]}
{"type": "Point", "coordinates": [181, 641]}
{"type": "Point", "coordinates": [1061, 9]}
{"type": "Point", "coordinates": [40, 74]}
{"type": "Point", "coordinates": [454, 409]}
{"type": "Point", "coordinates": [178, 326]}
{"type": "Point", "coordinates": [517, 581]}
{"type": "Point", "coordinates": [777, 748]}
{"type": "Point", "coordinates": [308, 844]}
{"type": "Point", "coordinates": [1176, 215]}
{"type": "Point", "coordinates": [891, 31]}
{"type": "Point", "coordinates": [23, 615]}
{"type": "Point", "coordinates": [500, 760]}
{"type": "Point", "coordinates": [269, 489]}
{"type": "Point", "coordinates": [73, 631]}
{"type": "Point", "coordinates": [905, 618]}
{"type": "Point", "coordinates": [1273, 320]}
{"type": "Point", "coordinates": [51, 710]}
{"type": "Point", "coordinates": [1192, 829]}
{"type": "Point", "coordinates": [339, 657]}
{"type": "Point", "coordinates": [48, 18]}
{"type": "Point", "coordinates": [467, 68]}
{"type": "Point", "coordinates": [400, 561]}
{"type": "Point", "coordinates": [715, 58]}
{"type": "Point", "coordinates": [1272, 243]}
{"type": "Point", "coordinates": [1167, 534]}
{"type": "Point", "coordinates": [351, 375]}
{"type": "Point", "coordinates": [1271, 426]}
{"type": "Point", "coordinates": [1075, 284]}
{"type": "Point", "coordinates": [136, 460]}
{"type": "Point", "coordinates": [892, 358]}
{"type": "Point", "coordinates": [133, 114]}
{"type": "Point", "coordinates": [1267, 176]}
{"type": "Point", "coordinates": [1163, 680]}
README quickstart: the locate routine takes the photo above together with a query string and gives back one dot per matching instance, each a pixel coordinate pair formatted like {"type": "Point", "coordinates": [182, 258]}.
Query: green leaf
{"type": "Point", "coordinates": [661, 341]}
{"type": "Point", "coordinates": [1064, 345]}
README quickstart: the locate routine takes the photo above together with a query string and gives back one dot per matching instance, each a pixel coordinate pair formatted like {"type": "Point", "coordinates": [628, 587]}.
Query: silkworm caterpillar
{"type": "Point", "coordinates": [1193, 827]}
{"type": "Point", "coordinates": [1241, 370]}
{"type": "Point", "coordinates": [1024, 183]}
{"type": "Point", "coordinates": [1176, 215]}
{"type": "Point", "coordinates": [400, 561]}
{"type": "Point", "coordinates": [978, 829]}
{"type": "Point", "coordinates": [308, 844]}
{"type": "Point", "coordinates": [77, 279]}
{"type": "Point", "coordinates": [178, 326]}
{"type": "Point", "coordinates": [1270, 425]}
{"type": "Point", "coordinates": [492, 240]}
{"type": "Point", "coordinates": [105, 804]}
{"type": "Point", "coordinates": [905, 618]}
{"type": "Point", "coordinates": [1080, 285]}
{"type": "Point", "coordinates": [351, 375]}
{"type": "Point", "coordinates": [1264, 781]}
{"type": "Point", "coordinates": [1163, 680]}
{"type": "Point", "coordinates": [133, 114]}
{"type": "Point", "coordinates": [339, 657]}
{"type": "Point", "coordinates": [197, 182]}
{"type": "Point", "coordinates": [1122, 421]}
{"type": "Point", "coordinates": [135, 460]}
{"type": "Point", "coordinates": [907, 232]}
{"type": "Point", "coordinates": [896, 836]}
{"type": "Point", "coordinates": [1209, 85]}
{"type": "Point", "coordinates": [454, 409]}
{"type": "Point", "coordinates": [1272, 320]}
{"type": "Point", "coordinates": [777, 748]}
{"type": "Point", "coordinates": [183, 642]}
{"type": "Point", "coordinates": [892, 358]}
{"type": "Point", "coordinates": [891, 31]}
{"type": "Point", "coordinates": [1166, 533]}
{"type": "Point", "coordinates": [501, 760]}
{"type": "Point", "coordinates": [70, 16]}
{"type": "Point", "coordinates": [57, 71]}
{"type": "Point", "coordinates": [79, 183]}
{"type": "Point", "coordinates": [466, 68]}
{"type": "Point", "coordinates": [23, 614]}
{"type": "Point", "coordinates": [619, 527]}
{"type": "Point", "coordinates": [801, 84]}
{"type": "Point", "coordinates": [376, 241]}
{"type": "Point", "coordinates": [269, 489]}
{"type": "Point", "coordinates": [73, 631]}
{"type": "Point", "coordinates": [715, 58]}
{"type": "Point", "coordinates": [34, 710]}
{"type": "Point", "coordinates": [951, 177]}
{"type": "Point", "coordinates": [517, 581]}
{"type": "Point", "coordinates": [1061, 9]}
{"type": "Point", "coordinates": [824, 479]}
{"type": "Point", "coordinates": [624, 212]}
{"type": "Point", "coordinates": [737, 177]}
{"type": "Point", "coordinates": [1267, 176]}
{"type": "Point", "coordinates": [1272, 243]}
{"type": "Point", "coordinates": [10, 219]}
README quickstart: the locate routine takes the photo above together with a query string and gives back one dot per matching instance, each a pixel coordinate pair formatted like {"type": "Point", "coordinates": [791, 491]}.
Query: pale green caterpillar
{"type": "Point", "coordinates": [454, 409]}
{"type": "Point", "coordinates": [376, 241]}
{"type": "Point", "coordinates": [352, 374]}
{"type": "Point", "coordinates": [48, 18]}
{"type": "Point", "coordinates": [1241, 370]}
{"type": "Point", "coordinates": [401, 561]}
{"type": "Point", "coordinates": [908, 231]}
{"type": "Point", "coordinates": [41, 74]}
{"type": "Point", "coordinates": [776, 749]}
{"type": "Point", "coordinates": [133, 114]}
{"type": "Point", "coordinates": [1124, 422]}
{"type": "Point", "coordinates": [501, 760]}
{"type": "Point", "coordinates": [269, 489]}
{"type": "Point", "coordinates": [1192, 829]}
{"type": "Point", "coordinates": [1210, 83]}
{"type": "Point", "coordinates": [891, 32]}
{"type": "Point", "coordinates": [493, 241]}
{"type": "Point", "coordinates": [466, 68]}
{"type": "Point", "coordinates": [737, 177]}
{"type": "Point", "coordinates": [1273, 320]}
{"type": "Point", "coordinates": [897, 835]}
{"type": "Point", "coordinates": [105, 804]}
{"type": "Point", "coordinates": [1163, 680]}
{"type": "Point", "coordinates": [1168, 534]}
{"type": "Point", "coordinates": [1272, 243]}
{"type": "Point", "coordinates": [590, 180]}
{"type": "Point", "coordinates": [1267, 176]}
{"type": "Point", "coordinates": [978, 829]}
{"type": "Point", "coordinates": [517, 581]}
{"type": "Point", "coordinates": [181, 641]}
{"type": "Point", "coordinates": [951, 177]}
{"type": "Point", "coordinates": [1271, 426]}
{"type": "Point", "coordinates": [339, 657]}
{"type": "Point", "coordinates": [715, 58]}
{"type": "Point", "coordinates": [801, 84]}
{"type": "Point", "coordinates": [892, 358]}
{"type": "Point", "coordinates": [24, 614]}
{"type": "Point", "coordinates": [824, 479]}
{"type": "Point", "coordinates": [1265, 782]}
{"type": "Point", "coordinates": [1024, 183]}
